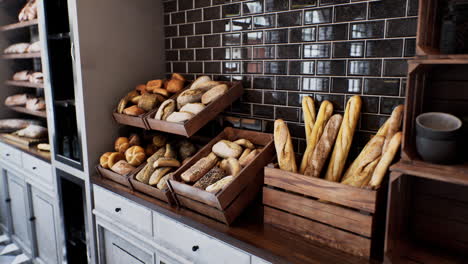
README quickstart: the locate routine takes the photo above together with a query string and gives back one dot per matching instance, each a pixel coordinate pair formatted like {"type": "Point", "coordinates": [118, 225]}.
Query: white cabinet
{"type": "Point", "coordinates": [44, 227]}
{"type": "Point", "coordinates": [256, 260]}
{"type": "Point", "coordinates": [3, 201]}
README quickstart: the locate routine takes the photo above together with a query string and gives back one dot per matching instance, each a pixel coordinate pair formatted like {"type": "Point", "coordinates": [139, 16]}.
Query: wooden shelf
{"type": "Point", "coordinates": [456, 174]}
{"type": "Point", "coordinates": [441, 59]}
{"type": "Point", "coordinates": [22, 56]}
{"type": "Point", "coordinates": [25, 84]}
{"type": "Point", "coordinates": [23, 110]}
{"type": "Point", "coordinates": [32, 150]}
{"type": "Point", "coordinates": [19, 25]}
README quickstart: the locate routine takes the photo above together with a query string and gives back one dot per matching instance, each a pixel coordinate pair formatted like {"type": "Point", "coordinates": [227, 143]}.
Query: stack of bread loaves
{"type": "Point", "coordinates": [189, 103]}
{"type": "Point", "coordinates": [217, 170]}
{"type": "Point", "coordinates": [146, 97]}
{"type": "Point", "coordinates": [128, 155]}
{"type": "Point", "coordinates": [325, 132]}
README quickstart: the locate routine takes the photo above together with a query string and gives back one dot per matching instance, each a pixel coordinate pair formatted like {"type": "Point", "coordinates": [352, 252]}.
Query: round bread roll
{"type": "Point", "coordinates": [231, 166]}
{"type": "Point", "coordinates": [135, 155]}
{"type": "Point", "coordinates": [133, 111]}
{"type": "Point", "coordinates": [114, 157]}
{"type": "Point", "coordinates": [134, 140]}
{"type": "Point", "coordinates": [141, 88]}
{"type": "Point", "coordinates": [151, 149]}
{"type": "Point", "coordinates": [199, 81]}
{"type": "Point", "coordinates": [174, 85]}
{"type": "Point", "coordinates": [189, 96]}
{"type": "Point", "coordinates": [177, 76]}
{"type": "Point", "coordinates": [214, 93]}
{"type": "Point", "coordinates": [227, 149]}
{"type": "Point", "coordinates": [150, 85]}
{"type": "Point", "coordinates": [122, 167]}
{"type": "Point", "coordinates": [103, 161]}
{"type": "Point", "coordinates": [161, 91]}
{"type": "Point", "coordinates": [121, 144]}
{"type": "Point", "coordinates": [193, 108]}
{"type": "Point", "coordinates": [179, 117]}
{"type": "Point", "coordinates": [159, 140]}
{"type": "Point", "coordinates": [166, 108]}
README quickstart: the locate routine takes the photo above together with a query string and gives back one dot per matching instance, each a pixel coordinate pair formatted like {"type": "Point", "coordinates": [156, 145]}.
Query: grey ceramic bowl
{"type": "Point", "coordinates": [437, 137]}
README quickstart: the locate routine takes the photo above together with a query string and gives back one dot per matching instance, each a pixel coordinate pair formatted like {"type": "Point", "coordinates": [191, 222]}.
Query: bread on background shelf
{"type": "Point", "coordinates": [284, 147]}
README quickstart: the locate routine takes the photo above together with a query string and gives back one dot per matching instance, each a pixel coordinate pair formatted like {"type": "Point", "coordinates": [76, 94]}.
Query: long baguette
{"type": "Point", "coordinates": [344, 140]}
{"type": "Point", "coordinates": [284, 147]}
{"type": "Point", "coordinates": [308, 108]}
{"type": "Point", "coordinates": [384, 163]}
{"type": "Point", "coordinates": [325, 112]}
{"type": "Point", "coordinates": [324, 146]}
{"type": "Point", "coordinates": [366, 162]}
{"type": "Point", "coordinates": [393, 125]}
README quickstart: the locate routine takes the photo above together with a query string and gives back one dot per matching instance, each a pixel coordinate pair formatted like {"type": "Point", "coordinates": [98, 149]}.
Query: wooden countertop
{"type": "Point", "coordinates": [42, 155]}
{"type": "Point", "coordinates": [248, 232]}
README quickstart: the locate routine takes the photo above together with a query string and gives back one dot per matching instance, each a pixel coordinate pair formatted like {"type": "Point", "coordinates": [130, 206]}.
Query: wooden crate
{"type": "Point", "coordinates": [163, 195]}
{"type": "Point", "coordinates": [135, 121]}
{"type": "Point", "coordinates": [227, 204]}
{"type": "Point", "coordinates": [201, 119]}
{"type": "Point", "coordinates": [108, 174]}
{"type": "Point", "coordinates": [340, 216]}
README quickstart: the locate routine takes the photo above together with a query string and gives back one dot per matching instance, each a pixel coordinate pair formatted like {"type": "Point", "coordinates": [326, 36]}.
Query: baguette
{"type": "Point", "coordinates": [166, 162]}
{"type": "Point", "coordinates": [325, 112]}
{"type": "Point", "coordinates": [284, 147]}
{"type": "Point", "coordinates": [344, 139]}
{"type": "Point", "coordinates": [393, 125]}
{"type": "Point", "coordinates": [384, 163]}
{"type": "Point", "coordinates": [308, 107]}
{"type": "Point", "coordinates": [324, 146]}
{"type": "Point", "coordinates": [200, 168]}
{"type": "Point", "coordinates": [362, 167]}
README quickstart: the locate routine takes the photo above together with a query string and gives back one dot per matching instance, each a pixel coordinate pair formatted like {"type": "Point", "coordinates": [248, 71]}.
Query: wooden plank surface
{"type": "Point", "coordinates": [457, 174]}
{"type": "Point", "coordinates": [330, 214]}
{"type": "Point", "coordinates": [321, 233]}
{"type": "Point", "coordinates": [25, 84]}
{"type": "Point", "coordinates": [22, 56]}
{"type": "Point", "coordinates": [24, 110]}
{"type": "Point", "coordinates": [330, 191]}
{"type": "Point", "coordinates": [19, 25]}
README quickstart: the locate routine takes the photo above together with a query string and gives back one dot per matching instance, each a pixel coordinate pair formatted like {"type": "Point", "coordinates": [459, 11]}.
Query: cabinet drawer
{"type": "Point", "coordinates": [10, 154]}
{"type": "Point", "coordinates": [123, 210]}
{"type": "Point", "coordinates": [38, 167]}
{"type": "Point", "coordinates": [196, 246]}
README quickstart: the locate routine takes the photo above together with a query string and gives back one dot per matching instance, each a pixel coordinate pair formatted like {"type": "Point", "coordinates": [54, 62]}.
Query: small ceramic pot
{"type": "Point", "coordinates": [437, 137]}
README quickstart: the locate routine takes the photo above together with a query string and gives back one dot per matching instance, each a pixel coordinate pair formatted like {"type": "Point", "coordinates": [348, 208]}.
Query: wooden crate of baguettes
{"type": "Point", "coordinates": [342, 208]}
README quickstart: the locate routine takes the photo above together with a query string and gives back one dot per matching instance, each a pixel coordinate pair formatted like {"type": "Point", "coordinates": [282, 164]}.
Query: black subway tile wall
{"type": "Point", "coordinates": [283, 50]}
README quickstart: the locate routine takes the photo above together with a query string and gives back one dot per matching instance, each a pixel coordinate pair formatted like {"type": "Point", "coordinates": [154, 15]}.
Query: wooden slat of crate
{"type": "Point", "coordinates": [330, 214]}
{"type": "Point", "coordinates": [330, 191]}
{"type": "Point", "coordinates": [327, 235]}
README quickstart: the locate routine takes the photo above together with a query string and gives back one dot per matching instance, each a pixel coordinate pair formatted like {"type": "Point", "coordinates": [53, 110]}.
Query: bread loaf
{"type": "Point", "coordinates": [199, 81]}
{"type": "Point", "coordinates": [136, 99]}
{"type": "Point", "coordinates": [186, 149]}
{"type": "Point", "coordinates": [308, 108]}
{"type": "Point", "coordinates": [134, 140]}
{"type": "Point", "coordinates": [135, 155]}
{"type": "Point", "coordinates": [227, 149]}
{"type": "Point", "coordinates": [193, 108]}
{"type": "Point", "coordinates": [166, 162]}
{"type": "Point", "coordinates": [133, 111]}
{"type": "Point", "coordinates": [385, 161]}
{"type": "Point", "coordinates": [36, 77]}
{"type": "Point", "coordinates": [214, 93]}
{"type": "Point", "coordinates": [154, 84]}
{"type": "Point", "coordinates": [122, 167]}
{"type": "Point", "coordinates": [189, 96]}
{"type": "Point", "coordinates": [219, 185]}
{"type": "Point", "coordinates": [103, 161]}
{"type": "Point", "coordinates": [231, 166]}
{"type": "Point", "coordinates": [36, 104]}
{"type": "Point", "coordinates": [149, 101]}
{"type": "Point", "coordinates": [214, 175]}
{"type": "Point", "coordinates": [179, 117]}
{"type": "Point", "coordinates": [284, 147]}
{"type": "Point", "coordinates": [114, 158]}
{"type": "Point", "coordinates": [244, 155]}
{"type": "Point", "coordinates": [177, 76]}
{"type": "Point", "coordinates": [165, 109]}
{"type": "Point", "coordinates": [159, 140]}
{"type": "Point", "coordinates": [141, 88]}
{"type": "Point", "coordinates": [393, 125]}
{"type": "Point", "coordinates": [249, 158]}
{"type": "Point", "coordinates": [124, 101]}
{"type": "Point", "coordinates": [245, 143]}
{"type": "Point", "coordinates": [206, 86]}
{"type": "Point", "coordinates": [344, 139]}
{"type": "Point", "coordinates": [162, 184]}
{"type": "Point", "coordinates": [200, 168]}
{"type": "Point", "coordinates": [158, 174]}
{"type": "Point", "coordinates": [174, 85]}
{"type": "Point", "coordinates": [32, 131]}
{"type": "Point", "coordinates": [17, 100]}
{"type": "Point", "coordinates": [145, 174]}
{"type": "Point", "coordinates": [324, 146]}
{"type": "Point", "coordinates": [43, 147]}
{"type": "Point", "coordinates": [325, 112]}
{"type": "Point", "coordinates": [21, 76]}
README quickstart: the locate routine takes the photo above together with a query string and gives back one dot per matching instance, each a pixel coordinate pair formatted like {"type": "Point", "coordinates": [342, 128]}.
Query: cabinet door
{"type": "Point", "coordinates": [116, 250]}
{"type": "Point", "coordinates": [18, 205]}
{"type": "Point", "coordinates": [44, 223]}
{"type": "Point", "coordinates": [3, 201]}
{"type": "Point", "coordinates": [165, 260]}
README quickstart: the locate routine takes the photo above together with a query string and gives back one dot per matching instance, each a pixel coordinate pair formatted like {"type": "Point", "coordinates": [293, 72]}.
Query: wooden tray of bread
{"type": "Point", "coordinates": [160, 192]}
{"type": "Point", "coordinates": [224, 176]}
{"type": "Point", "coordinates": [192, 109]}
{"type": "Point", "coordinates": [25, 141]}
{"type": "Point", "coordinates": [113, 176]}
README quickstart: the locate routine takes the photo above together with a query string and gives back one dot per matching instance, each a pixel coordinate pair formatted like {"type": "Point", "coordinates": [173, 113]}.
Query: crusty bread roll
{"type": "Point", "coordinates": [166, 162]}
{"type": "Point", "coordinates": [159, 140]}
{"type": "Point", "coordinates": [17, 99]}
{"type": "Point", "coordinates": [361, 169]}
{"type": "Point", "coordinates": [145, 174]}
{"type": "Point", "coordinates": [206, 86]}
{"type": "Point", "coordinates": [177, 76]}
{"type": "Point", "coordinates": [149, 101]}
{"type": "Point", "coordinates": [43, 147]}
{"type": "Point", "coordinates": [244, 155]}
{"type": "Point", "coordinates": [227, 149]}
{"type": "Point", "coordinates": [394, 124]}
{"type": "Point", "coordinates": [325, 112]}
{"type": "Point", "coordinates": [134, 140]}
{"type": "Point", "coordinates": [245, 143]}
{"type": "Point", "coordinates": [135, 155]}
{"type": "Point", "coordinates": [344, 139]}
{"type": "Point", "coordinates": [174, 85]}
{"type": "Point", "coordinates": [199, 81]}
{"type": "Point", "coordinates": [161, 91]}
{"type": "Point", "coordinates": [189, 96]}
{"type": "Point", "coordinates": [153, 84]}
{"type": "Point", "coordinates": [170, 152]}
{"type": "Point", "coordinates": [165, 109]}
{"type": "Point", "coordinates": [214, 93]}
{"type": "Point", "coordinates": [122, 167]}
{"type": "Point", "coordinates": [193, 108]}
{"type": "Point", "coordinates": [284, 147]}
{"type": "Point", "coordinates": [200, 168]}
{"type": "Point", "coordinates": [141, 88]}
{"type": "Point", "coordinates": [186, 149]}
{"type": "Point", "coordinates": [231, 166]}
{"type": "Point", "coordinates": [21, 76]}
{"type": "Point", "coordinates": [324, 146]}
{"type": "Point", "coordinates": [103, 161]}
{"type": "Point", "coordinates": [125, 100]}
{"type": "Point", "coordinates": [162, 184]}
{"type": "Point", "coordinates": [133, 111]}
{"type": "Point", "coordinates": [214, 175]}
{"type": "Point", "coordinates": [179, 117]}
{"type": "Point", "coordinates": [158, 174]}
{"type": "Point", "coordinates": [219, 185]}
{"type": "Point", "coordinates": [135, 100]}
{"type": "Point", "coordinates": [308, 108]}
{"type": "Point", "coordinates": [114, 158]}
{"type": "Point", "coordinates": [121, 144]}
{"type": "Point", "coordinates": [249, 158]}
{"type": "Point", "coordinates": [385, 161]}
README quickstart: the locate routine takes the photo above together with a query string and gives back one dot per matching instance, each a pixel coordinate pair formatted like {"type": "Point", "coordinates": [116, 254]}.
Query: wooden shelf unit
{"type": "Point", "coordinates": [25, 84]}
{"type": "Point", "coordinates": [35, 55]}
{"type": "Point", "coordinates": [21, 109]}
{"type": "Point", "coordinates": [456, 174]}
{"type": "Point", "coordinates": [19, 25]}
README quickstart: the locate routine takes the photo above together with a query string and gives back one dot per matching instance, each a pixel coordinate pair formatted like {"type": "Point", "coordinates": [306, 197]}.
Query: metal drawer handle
{"type": "Point", "coordinates": [195, 248]}
{"type": "Point", "coordinates": [34, 168]}
{"type": "Point", "coordinates": [118, 209]}
{"type": "Point", "coordinates": [32, 218]}
{"type": "Point", "coordinates": [7, 200]}
{"type": "Point", "coordinates": [8, 154]}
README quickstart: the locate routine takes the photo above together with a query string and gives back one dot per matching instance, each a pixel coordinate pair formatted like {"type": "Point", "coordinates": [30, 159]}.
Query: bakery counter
{"type": "Point", "coordinates": [247, 233]}
{"type": "Point", "coordinates": [33, 150]}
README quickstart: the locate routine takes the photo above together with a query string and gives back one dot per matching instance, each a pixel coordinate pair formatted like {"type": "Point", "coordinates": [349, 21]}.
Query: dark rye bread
{"type": "Point", "coordinates": [211, 177]}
